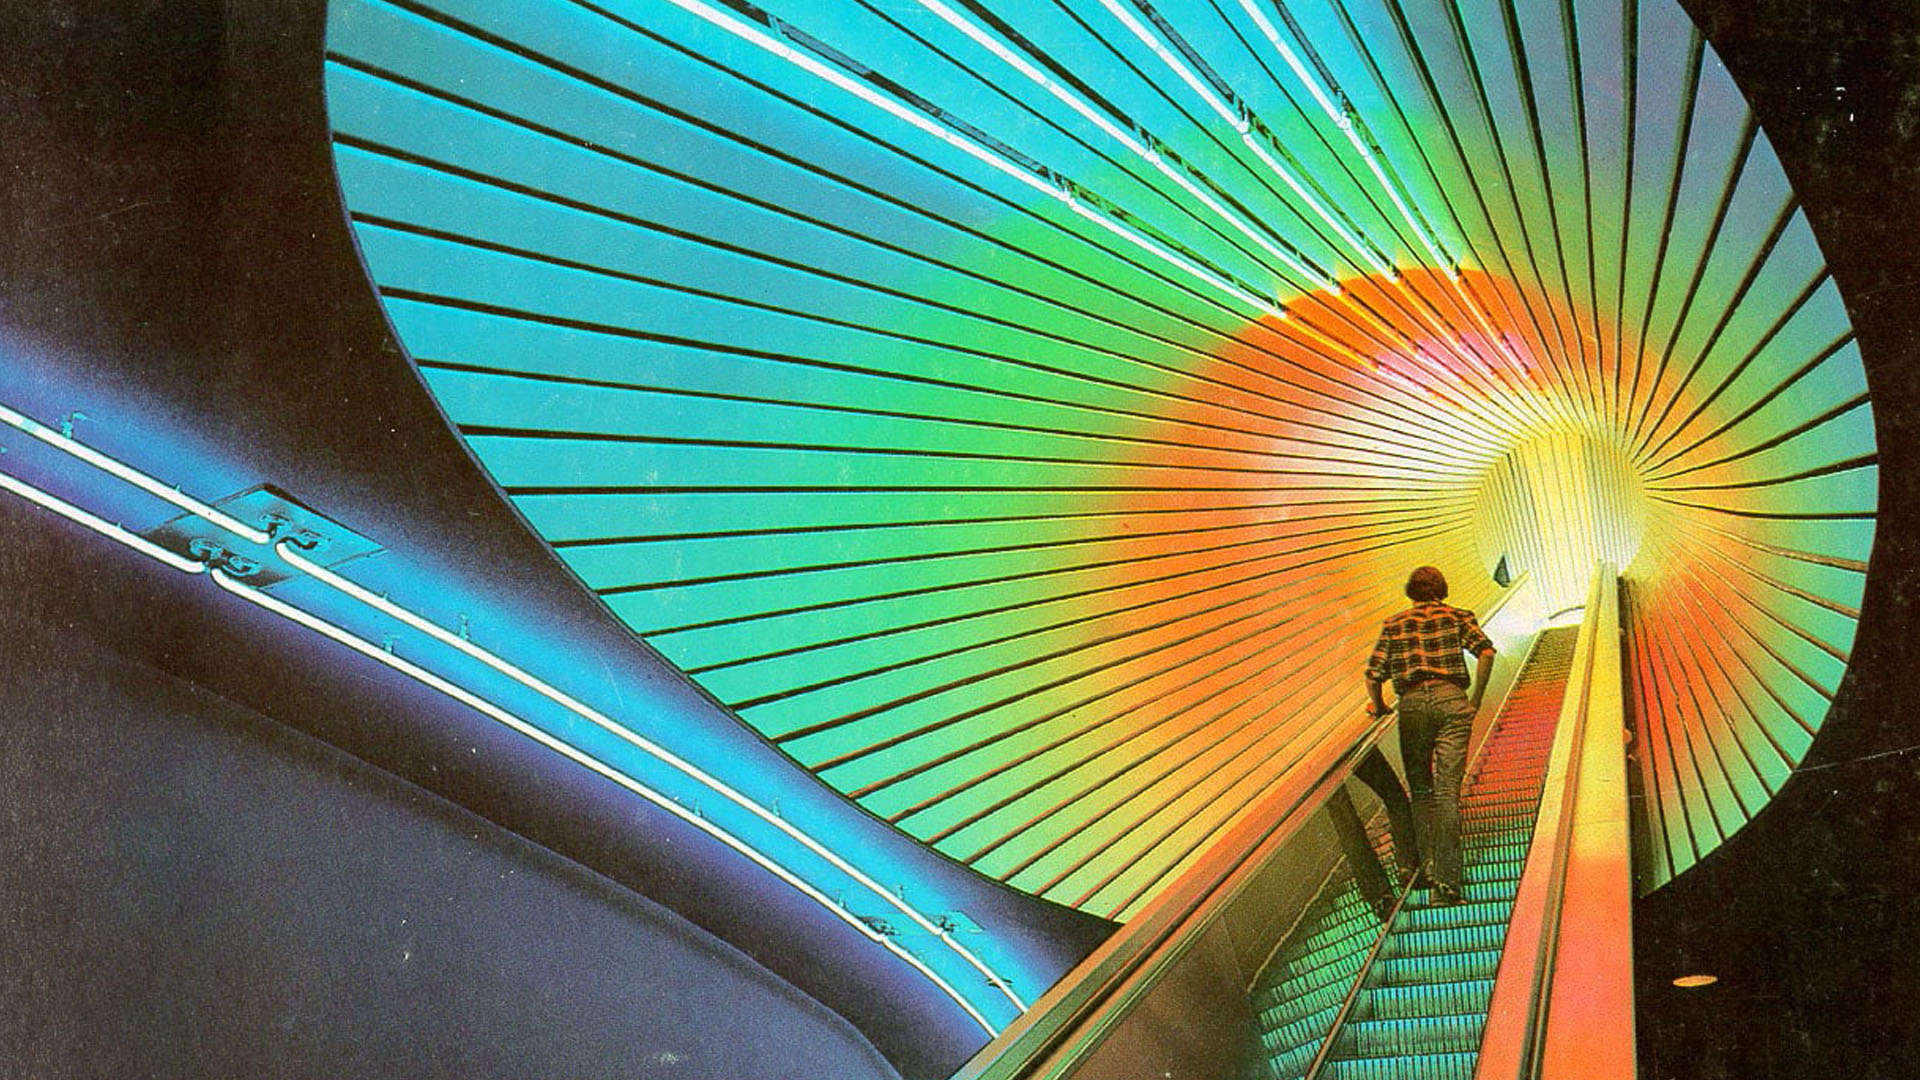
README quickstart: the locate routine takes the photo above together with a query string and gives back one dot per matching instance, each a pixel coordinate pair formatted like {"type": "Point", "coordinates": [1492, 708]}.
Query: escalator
{"type": "Point", "coordinates": [1266, 962]}
{"type": "Point", "coordinates": [1343, 1000]}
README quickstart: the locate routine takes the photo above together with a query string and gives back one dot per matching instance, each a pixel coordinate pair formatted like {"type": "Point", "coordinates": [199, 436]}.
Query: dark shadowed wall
{"type": "Point", "coordinates": [195, 891]}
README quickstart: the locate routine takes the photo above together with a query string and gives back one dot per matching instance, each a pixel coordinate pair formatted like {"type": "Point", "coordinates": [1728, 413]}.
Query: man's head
{"type": "Point", "coordinates": [1426, 584]}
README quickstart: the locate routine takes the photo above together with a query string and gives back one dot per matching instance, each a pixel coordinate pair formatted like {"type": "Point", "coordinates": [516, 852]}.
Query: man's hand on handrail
{"type": "Point", "coordinates": [1376, 703]}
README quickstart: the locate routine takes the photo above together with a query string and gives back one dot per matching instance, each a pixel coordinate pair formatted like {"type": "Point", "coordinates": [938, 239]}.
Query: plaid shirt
{"type": "Point", "coordinates": [1426, 642]}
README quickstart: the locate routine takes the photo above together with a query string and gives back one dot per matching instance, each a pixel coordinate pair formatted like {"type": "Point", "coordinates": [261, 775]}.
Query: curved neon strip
{"type": "Point", "coordinates": [290, 553]}
{"type": "Point", "coordinates": [1120, 135]}
{"type": "Point", "coordinates": [1152, 41]}
{"type": "Point", "coordinates": [1273, 165]}
{"type": "Point", "coordinates": [69, 445]}
{"type": "Point", "coordinates": [495, 712]}
{"type": "Point", "coordinates": [1240, 124]}
{"type": "Point", "coordinates": [98, 524]}
{"type": "Point", "coordinates": [813, 67]}
{"type": "Point", "coordinates": [1346, 125]}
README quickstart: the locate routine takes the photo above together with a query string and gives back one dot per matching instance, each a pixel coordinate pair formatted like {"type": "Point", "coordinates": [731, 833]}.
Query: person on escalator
{"type": "Point", "coordinates": [1422, 652]}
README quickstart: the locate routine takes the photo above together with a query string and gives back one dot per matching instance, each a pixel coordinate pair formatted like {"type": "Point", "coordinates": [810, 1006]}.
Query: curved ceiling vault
{"type": "Point", "coordinates": [1021, 413]}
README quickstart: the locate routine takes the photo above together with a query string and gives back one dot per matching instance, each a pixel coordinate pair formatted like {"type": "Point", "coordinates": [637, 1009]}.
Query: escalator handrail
{"type": "Point", "coordinates": [1520, 1014]}
{"type": "Point", "coordinates": [1072, 1017]}
{"type": "Point", "coordinates": [1069, 1020]}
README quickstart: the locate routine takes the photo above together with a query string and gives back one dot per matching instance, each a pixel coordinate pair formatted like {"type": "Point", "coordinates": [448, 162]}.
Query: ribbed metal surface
{"type": "Point", "coordinates": [1422, 1007]}
{"type": "Point", "coordinates": [1023, 412]}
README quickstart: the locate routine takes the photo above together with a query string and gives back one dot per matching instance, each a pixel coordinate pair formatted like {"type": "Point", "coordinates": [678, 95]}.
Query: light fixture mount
{"type": "Point", "coordinates": [281, 516]}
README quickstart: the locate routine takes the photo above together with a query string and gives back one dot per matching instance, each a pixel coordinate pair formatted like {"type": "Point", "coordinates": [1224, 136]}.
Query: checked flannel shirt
{"type": "Point", "coordinates": [1426, 642]}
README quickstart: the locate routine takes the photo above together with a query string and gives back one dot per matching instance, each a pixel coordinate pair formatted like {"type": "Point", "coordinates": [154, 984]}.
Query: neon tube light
{"type": "Point", "coordinates": [1235, 220]}
{"type": "Point", "coordinates": [1273, 164]}
{"type": "Point", "coordinates": [1214, 280]}
{"type": "Point", "coordinates": [760, 38]}
{"type": "Point", "coordinates": [291, 554]}
{"type": "Point", "coordinates": [1040, 78]}
{"type": "Point", "coordinates": [98, 524]}
{"type": "Point", "coordinates": [1347, 127]}
{"type": "Point", "coordinates": [482, 705]}
{"type": "Point", "coordinates": [1118, 134]}
{"type": "Point", "coordinates": [1178, 66]}
{"type": "Point", "coordinates": [1241, 125]}
{"type": "Point", "coordinates": [69, 445]}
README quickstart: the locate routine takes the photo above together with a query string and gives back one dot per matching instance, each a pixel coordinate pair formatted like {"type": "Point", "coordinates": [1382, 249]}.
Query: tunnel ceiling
{"type": "Point", "coordinates": [1022, 413]}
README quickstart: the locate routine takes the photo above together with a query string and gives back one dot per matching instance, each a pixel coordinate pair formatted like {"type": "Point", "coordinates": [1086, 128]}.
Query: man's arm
{"type": "Point", "coordinates": [1377, 674]}
{"type": "Point", "coordinates": [1475, 640]}
{"type": "Point", "coordinates": [1482, 669]}
{"type": "Point", "coordinates": [1379, 707]}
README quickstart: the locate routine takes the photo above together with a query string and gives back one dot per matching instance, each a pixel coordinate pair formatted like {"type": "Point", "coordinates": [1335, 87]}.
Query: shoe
{"type": "Point", "coordinates": [1447, 896]}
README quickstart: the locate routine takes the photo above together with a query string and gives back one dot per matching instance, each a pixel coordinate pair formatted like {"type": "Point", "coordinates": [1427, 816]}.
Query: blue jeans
{"type": "Point", "coordinates": [1436, 722]}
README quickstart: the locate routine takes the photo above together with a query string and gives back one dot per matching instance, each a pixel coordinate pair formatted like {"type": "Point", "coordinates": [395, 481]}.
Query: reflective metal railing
{"type": "Point", "coordinates": [1563, 1002]}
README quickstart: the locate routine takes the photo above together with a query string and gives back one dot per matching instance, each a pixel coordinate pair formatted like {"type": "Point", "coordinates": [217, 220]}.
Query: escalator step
{"type": "Point", "coordinates": [1476, 892]}
{"type": "Point", "coordinates": [1406, 1067]}
{"type": "Point", "coordinates": [1452, 917]}
{"type": "Point", "coordinates": [1499, 870]}
{"type": "Point", "coordinates": [1333, 953]}
{"type": "Point", "coordinates": [1508, 794]}
{"type": "Point", "coordinates": [1307, 1030]}
{"type": "Point", "coordinates": [1509, 850]}
{"type": "Point", "coordinates": [1307, 987]}
{"type": "Point", "coordinates": [1526, 785]}
{"type": "Point", "coordinates": [1490, 818]}
{"type": "Point", "coordinates": [1293, 1062]}
{"type": "Point", "coordinates": [1445, 1034]}
{"type": "Point", "coordinates": [1341, 922]}
{"type": "Point", "coordinates": [1306, 992]}
{"type": "Point", "coordinates": [1478, 804]}
{"type": "Point", "coordinates": [1453, 967]}
{"type": "Point", "coordinates": [1517, 823]}
{"type": "Point", "coordinates": [1482, 799]}
{"type": "Point", "coordinates": [1511, 767]}
{"type": "Point", "coordinates": [1512, 813]}
{"type": "Point", "coordinates": [1513, 756]}
{"type": "Point", "coordinates": [1436, 918]}
{"type": "Point", "coordinates": [1345, 934]}
{"type": "Point", "coordinates": [1488, 835]}
{"type": "Point", "coordinates": [1472, 813]}
{"type": "Point", "coordinates": [1444, 940]}
{"type": "Point", "coordinates": [1519, 787]}
{"type": "Point", "coordinates": [1395, 1002]}
{"type": "Point", "coordinates": [1487, 821]}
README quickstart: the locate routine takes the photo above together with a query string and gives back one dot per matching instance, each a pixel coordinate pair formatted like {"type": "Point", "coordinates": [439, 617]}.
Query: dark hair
{"type": "Point", "coordinates": [1426, 584]}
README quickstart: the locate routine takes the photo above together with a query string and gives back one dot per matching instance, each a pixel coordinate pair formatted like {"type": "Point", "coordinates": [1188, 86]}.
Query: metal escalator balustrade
{"type": "Point", "coordinates": [1321, 961]}
{"type": "Point", "coordinates": [1169, 993]}
{"type": "Point", "coordinates": [1421, 1007]}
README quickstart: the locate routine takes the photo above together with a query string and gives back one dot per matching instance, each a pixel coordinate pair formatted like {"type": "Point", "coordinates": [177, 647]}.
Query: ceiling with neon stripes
{"type": "Point", "coordinates": [1023, 413]}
